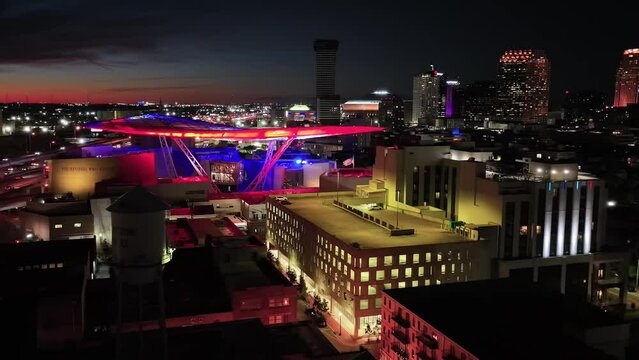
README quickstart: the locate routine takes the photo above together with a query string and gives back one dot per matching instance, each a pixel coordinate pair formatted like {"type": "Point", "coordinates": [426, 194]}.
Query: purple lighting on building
{"type": "Point", "coordinates": [450, 88]}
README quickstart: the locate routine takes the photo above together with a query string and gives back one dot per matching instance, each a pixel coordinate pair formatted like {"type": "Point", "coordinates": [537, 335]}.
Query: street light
{"type": "Point", "coordinates": [340, 322]}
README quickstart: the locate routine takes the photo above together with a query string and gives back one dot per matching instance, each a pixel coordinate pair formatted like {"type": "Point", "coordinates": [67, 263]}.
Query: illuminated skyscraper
{"type": "Point", "coordinates": [328, 102]}
{"type": "Point", "coordinates": [428, 97]}
{"type": "Point", "coordinates": [627, 85]}
{"type": "Point", "coordinates": [523, 83]}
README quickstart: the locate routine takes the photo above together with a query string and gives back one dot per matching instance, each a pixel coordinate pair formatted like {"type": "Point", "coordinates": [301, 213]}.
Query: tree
{"type": "Point", "coordinates": [292, 276]}
{"type": "Point", "coordinates": [320, 304]}
{"type": "Point", "coordinates": [302, 286]}
{"type": "Point", "coordinates": [323, 306]}
{"type": "Point", "coordinates": [270, 257]}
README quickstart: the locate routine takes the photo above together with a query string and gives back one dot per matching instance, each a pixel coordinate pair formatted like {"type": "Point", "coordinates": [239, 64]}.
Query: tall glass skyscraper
{"type": "Point", "coordinates": [627, 84]}
{"type": "Point", "coordinates": [428, 97]}
{"type": "Point", "coordinates": [328, 112]}
{"type": "Point", "coordinates": [523, 84]}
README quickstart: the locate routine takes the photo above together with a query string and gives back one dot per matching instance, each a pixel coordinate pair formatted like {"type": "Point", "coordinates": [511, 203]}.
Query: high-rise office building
{"type": "Point", "coordinates": [328, 103]}
{"type": "Point", "coordinates": [428, 97]}
{"type": "Point", "coordinates": [451, 89]}
{"type": "Point", "coordinates": [584, 108]}
{"type": "Point", "coordinates": [476, 101]}
{"type": "Point", "coordinates": [523, 83]}
{"type": "Point", "coordinates": [627, 85]}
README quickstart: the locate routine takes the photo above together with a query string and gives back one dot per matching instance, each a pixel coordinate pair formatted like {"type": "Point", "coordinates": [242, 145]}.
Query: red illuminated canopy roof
{"type": "Point", "coordinates": [160, 125]}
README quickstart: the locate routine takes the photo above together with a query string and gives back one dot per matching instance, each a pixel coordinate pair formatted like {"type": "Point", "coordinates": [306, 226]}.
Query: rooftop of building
{"type": "Point", "coordinates": [350, 228]}
{"type": "Point", "coordinates": [58, 206]}
{"type": "Point", "coordinates": [517, 315]}
{"type": "Point", "coordinates": [138, 201]}
{"type": "Point", "coordinates": [44, 252]}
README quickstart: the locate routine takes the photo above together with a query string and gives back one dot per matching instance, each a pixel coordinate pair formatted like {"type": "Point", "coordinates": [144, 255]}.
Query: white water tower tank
{"type": "Point", "coordinates": [140, 248]}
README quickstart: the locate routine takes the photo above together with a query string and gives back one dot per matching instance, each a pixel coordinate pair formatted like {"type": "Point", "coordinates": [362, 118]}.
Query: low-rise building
{"type": "Point", "coordinates": [349, 254]}
{"type": "Point", "coordinates": [61, 218]}
{"type": "Point", "coordinates": [496, 319]}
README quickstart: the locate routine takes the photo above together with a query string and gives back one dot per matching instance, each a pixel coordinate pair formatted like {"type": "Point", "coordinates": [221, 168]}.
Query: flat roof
{"type": "Point", "coordinates": [350, 228]}
{"type": "Point", "coordinates": [496, 319]}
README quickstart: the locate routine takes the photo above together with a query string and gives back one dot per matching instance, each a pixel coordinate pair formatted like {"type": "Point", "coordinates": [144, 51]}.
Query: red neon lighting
{"type": "Point", "coordinates": [241, 134]}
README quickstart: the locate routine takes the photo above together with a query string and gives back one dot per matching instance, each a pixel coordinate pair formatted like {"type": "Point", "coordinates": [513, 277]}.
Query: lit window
{"type": "Point", "coordinates": [437, 282]}
{"type": "Point", "coordinates": [364, 276]}
{"type": "Point", "coordinates": [427, 258]}
{"type": "Point", "coordinates": [523, 230]}
{"type": "Point", "coordinates": [378, 303]}
{"type": "Point", "coordinates": [443, 269]}
{"type": "Point", "coordinates": [452, 268]}
{"type": "Point", "coordinates": [401, 285]}
{"type": "Point", "coordinates": [408, 272]}
{"type": "Point", "coordinates": [388, 260]}
{"type": "Point", "coordinates": [58, 226]}
{"type": "Point", "coordinates": [420, 271]}
{"type": "Point", "coordinates": [439, 256]}
{"type": "Point", "coordinates": [379, 275]}
{"type": "Point", "coordinates": [415, 258]}
{"type": "Point", "coordinates": [394, 273]}
{"type": "Point", "coordinates": [387, 286]}
{"type": "Point", "coordinates": [352, 275]}
{"type": "Point", "coordinates": [402, 259]}
{"type": "Point", "coordinates": [372, 290]}
{"type": "Point", "coordinates": [415, 283]}
{"type": "Point", "coordinates": [363, 304]}
{"type": "Point", "coordinates": [372, 262]}
{"type": "Point", "coordinates": [426, 282]}
{"type": "Point", "coordinates": [77, 225]}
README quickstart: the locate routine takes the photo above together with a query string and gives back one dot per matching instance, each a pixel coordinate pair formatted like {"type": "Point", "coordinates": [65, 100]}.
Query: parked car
{"type": "Point", "coordinates": [281, 198]}
{"type": "Point", "coordinates": [375, 207]}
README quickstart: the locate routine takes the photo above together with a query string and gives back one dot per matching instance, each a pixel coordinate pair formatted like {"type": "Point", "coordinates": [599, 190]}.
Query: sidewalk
{"type": "Point", "coordinates": [345, 342]}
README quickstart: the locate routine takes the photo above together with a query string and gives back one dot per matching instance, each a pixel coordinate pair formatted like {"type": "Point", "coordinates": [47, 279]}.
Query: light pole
{"type": "Point", "coordinates": [75, 129]}
{"type": "Point", "coordinates": [340, 324]}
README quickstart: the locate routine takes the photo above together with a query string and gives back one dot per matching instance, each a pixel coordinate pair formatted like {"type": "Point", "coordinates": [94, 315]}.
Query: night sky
{"type": "Point", "coordinates": [231, 51]}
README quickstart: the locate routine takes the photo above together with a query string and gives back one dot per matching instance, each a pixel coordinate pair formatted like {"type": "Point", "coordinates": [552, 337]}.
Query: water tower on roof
{"type": "Point", "coordinates": [140, 251]}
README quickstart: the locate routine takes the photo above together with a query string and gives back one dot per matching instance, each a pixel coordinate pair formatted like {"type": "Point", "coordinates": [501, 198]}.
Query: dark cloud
{"type": "Point", "coordinates": [264, 48]}
{"type": "Point", "coordinates": [62, 34]}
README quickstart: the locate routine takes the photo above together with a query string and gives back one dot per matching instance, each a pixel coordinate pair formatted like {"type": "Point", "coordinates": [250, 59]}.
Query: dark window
{"type": "Point", "coordinates": [541, 215]}
{"type": "Point", "coordinates": [446, 189]}
{"type": "Point", "coordinates": [595, 218]}
{"type": "Point", "coordinates": [427, 189]}
{"type": "Point", "coordinates": [555, 222]}
{"type": "Point", "coordinates": [438, 184]}
{"type": "Point", "coordinates": [453, 195]}
{"type": "Point", "coordinates": [509, 223]}
{"type": "Point", "coordinates": [524, 230]}
{"type": "Point", "coordinates": [570, 192]}
{"type": "Point", "coordinates": [582, 218]}
{"type": "Point", "coordinates": [415, 195]}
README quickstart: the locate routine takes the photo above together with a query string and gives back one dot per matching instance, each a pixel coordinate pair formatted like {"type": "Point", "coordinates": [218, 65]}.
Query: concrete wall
{"type": "Point", "coordinates": [80, 175]}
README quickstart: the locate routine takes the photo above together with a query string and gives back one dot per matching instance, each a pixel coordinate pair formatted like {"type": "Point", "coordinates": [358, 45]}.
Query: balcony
{"type": "Point", "coordinates": [401, 353]}
{"type": "Point", "coordinates": [428, 340]}
{"type": "Point", "coordinates": [399, 335]}
{"type": "Point", "coordinates": [401, 321]}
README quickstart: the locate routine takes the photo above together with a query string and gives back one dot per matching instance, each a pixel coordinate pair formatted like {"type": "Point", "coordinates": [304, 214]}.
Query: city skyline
{"type": "Point", "coordinates": [63, 51]}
